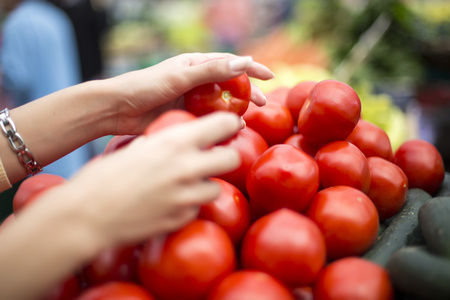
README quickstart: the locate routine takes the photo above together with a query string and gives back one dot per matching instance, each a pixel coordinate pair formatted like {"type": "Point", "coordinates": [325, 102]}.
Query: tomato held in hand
{"type": "Point", "coordinates": [371, 140]}
{"type": "Point", "coordinates": [190, 262]}
{"type": "Point", "coordinates": [422, 164]}
{"type": "Point", "coordinates": [347, 218]}
{"type": "Point", "coordinates": [342, 163]}
{"type": "Point", "coordinates": [32, 187]}
{"type": "Point", "coordinates": [230, 210]}
{"type": "Point", "coordinates": [287, 245]}
{"type": "Point", "coordinates": [116, 290]}
{"type": "Point", "coordinates": [250, 146]}
{"type": "Point", "coordinates": [330, 114]}
{"type": "Point", "coordinates": [283, 176]}
{"type": "Point", "coordinates": [353, 278]}
{"type": "Point", "coordinates": [388, 186]}
{"type": "Point", "coordinates": [232, 95]}
{"type": "Point", "coordinates": [250, 284]}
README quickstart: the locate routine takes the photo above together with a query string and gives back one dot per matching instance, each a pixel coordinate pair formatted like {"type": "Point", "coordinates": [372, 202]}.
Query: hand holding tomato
{"type": "Point", "coordinates": [146, 93]}
{"type": "Point", "coordinates": [231, 95]}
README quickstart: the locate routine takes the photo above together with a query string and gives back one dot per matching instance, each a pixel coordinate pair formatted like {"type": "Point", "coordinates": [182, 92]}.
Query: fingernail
{"type": "Point", "coordinates": [240, 64]}
{"type": "Point", "coordinates": [243, 124]}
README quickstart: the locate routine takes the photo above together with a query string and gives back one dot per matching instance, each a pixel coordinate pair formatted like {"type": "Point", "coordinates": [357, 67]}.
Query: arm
{"type": "Point", "coordinates": [67, 225]}
{"type": "Point", "coordinates": [63, 121]}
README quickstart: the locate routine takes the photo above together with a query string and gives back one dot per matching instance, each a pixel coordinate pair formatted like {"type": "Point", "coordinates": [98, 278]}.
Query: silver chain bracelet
{"type": "Point", "coordinates": [16, 142]}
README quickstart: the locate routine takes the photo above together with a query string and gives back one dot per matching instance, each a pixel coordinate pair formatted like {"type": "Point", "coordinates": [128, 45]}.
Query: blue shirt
{"type": "Point", "coordinates": [38, 57]}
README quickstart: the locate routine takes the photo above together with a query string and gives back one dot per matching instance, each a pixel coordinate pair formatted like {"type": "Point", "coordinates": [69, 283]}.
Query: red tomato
{"type": "Point", "coordinates": [116, 290]}
{"type": "Point", "coordinates": [353, 278]}
{"type": "Point", "coordinates": [371, 140]}
{"type": "Point", "coordinates": [278, 95]}
{"type": "Point", "coordinates": [342, 163]}
{"type": "Point", "coordinates": [283, 176]}
{"type": "Point", "coordinates": [67, 289]}
{"type": "Point", "coordinates": [347, 218]}
{"type": "Point", "coordinates": [287, 245]}
{"type": "Point", "coordinates": [330, 113]}
{"type": "Point", "coordinates": [32, 186]}
{"type": "Point", "coordinates": [272, 121]}
{"type": "Point", "coordinates": [167, 119]}
{"type": "Point", "coordinates": [117, 142]}
{"type": "Point", "coordinates": [388, 186]}
{"type": "Point", "coordinates": [250, 284]}
{"type": "Point", "coordinates": [298, 141]}
{"type": "Point", "coordinates": [113, 264]}
{"type": "Point", "coordinates": [190, 262]}
{"type": "Point", "coordinates": [250, 146]}
{"type": "Point", "coordinates": [230, 210]}
{"type": "Point", "coordinates": [232, 95]}
{"type": "Point", "coordinates": [297, 96]}
{"type": "Point", "coordinates": [422, 164]}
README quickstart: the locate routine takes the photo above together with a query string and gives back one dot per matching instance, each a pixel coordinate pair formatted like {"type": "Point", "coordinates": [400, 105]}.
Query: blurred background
{"type": "Point", "coordinates": [394, 53]}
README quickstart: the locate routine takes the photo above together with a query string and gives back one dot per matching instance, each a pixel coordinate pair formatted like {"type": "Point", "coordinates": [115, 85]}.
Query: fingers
{"type": "Point", "coordinates": [195, 193]}
{"type": "Point", "coordinates": [209, 163]}
{"type": "Point", "coordinates": [225, 67]}
{"type": "Point", "coordinates": [209, 129]}
{"type": "Point", "coordinates": [258, 96]}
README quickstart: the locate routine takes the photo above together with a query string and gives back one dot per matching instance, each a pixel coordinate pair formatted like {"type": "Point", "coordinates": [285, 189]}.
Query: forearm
{"type": "Point", "coordinates": [45, 243]}
{"type": "Point", "coordinates": [59, 123]}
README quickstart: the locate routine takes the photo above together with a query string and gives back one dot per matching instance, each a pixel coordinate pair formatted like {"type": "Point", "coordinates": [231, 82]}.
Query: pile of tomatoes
{"type": "Point", "coordinates": [292, 221]}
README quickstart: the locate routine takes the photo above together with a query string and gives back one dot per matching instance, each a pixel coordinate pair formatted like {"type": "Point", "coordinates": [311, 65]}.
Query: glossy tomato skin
{"type": "Point", "coordinates": [167, 119]}
{"type": "Point", "coordinates": [32, 187]}
{"type": "Point", "coordinates": [371, 140]}
{"type": "Point", "coordinates": [250, 145]}
{"type": "Point", "coordinates": [278, 95]}
{"type": "Point", "coordinates": [342, 163]}
{"type": "Point", "coordinates": [287, 245]}
{"type": "Point", "coordinates": [347, 218]}
{"type": "Point", "coordinates": [388, 186]}
{"type": "Point", "coordinates": [232, 95]}
{"type": "Point", "coordinates": [189, 263]}
{"type": "Point", "coordinates": [330, 114]}
{"type": "Point", "coordinates": [230, 210]}
{"type": "Point", "coordinates": [297, 96]}
{"type": "Point", "coordinates": [422, 164]}
{"type": "Point", "coordinates": [250, 284]}
{"type": "Point", "coordinates": [116, 290]}
{"type": "Point", "coordinates": [283, 176]}
{"type": "Point", "coordinates": [298, 141]}
{"type": "Point", "coordinates": [353, 278]}
{"type": "Point", "coordinates": [113, 264]}
{"type": "Point", "coordinates": [272, 121]}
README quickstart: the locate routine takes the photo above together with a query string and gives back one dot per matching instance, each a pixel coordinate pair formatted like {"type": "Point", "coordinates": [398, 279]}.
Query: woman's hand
{"type": "Point", "coordinates": [152, 186]}
{"type": "Point", "coordinates": [146, 93]}
{"type": "Point", "coordinates": [157, 183]}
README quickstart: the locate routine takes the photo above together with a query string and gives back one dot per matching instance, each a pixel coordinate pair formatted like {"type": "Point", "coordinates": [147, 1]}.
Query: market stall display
{"type": "Point", "coordinates": [309, 219]}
